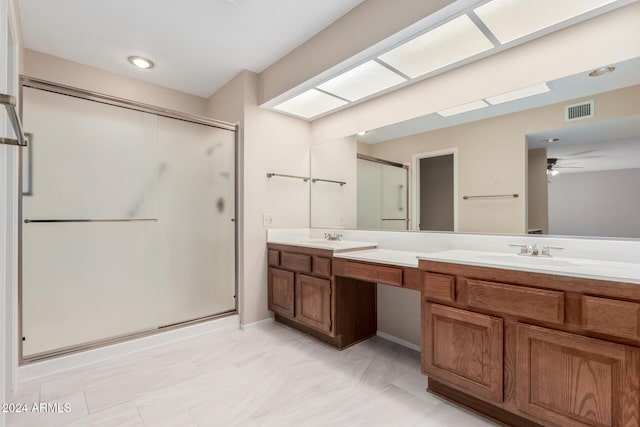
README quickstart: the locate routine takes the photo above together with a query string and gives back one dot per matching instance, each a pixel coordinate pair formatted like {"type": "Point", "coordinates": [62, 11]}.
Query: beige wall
{"type": "Point", "coordinates": [334, 205]}
{"type": "Point", "coordinates": [537, 197]}
{"type": "Point", "coordinates": [399, 313]}
{"type": "Point", "coordinates": [342, 40]}
{"type": "Point", "coordinates": [565, 52]}
{"type": "Point", "coordinates": [492, 156]}
{"type": "Point", "coordinates": [269, 142]}
{"type": "Point", "coordinates": [62, 71]}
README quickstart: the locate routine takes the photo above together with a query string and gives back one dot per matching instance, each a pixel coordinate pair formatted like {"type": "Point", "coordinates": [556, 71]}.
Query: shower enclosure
{"type": "Point", "coordinates": [128, 219]}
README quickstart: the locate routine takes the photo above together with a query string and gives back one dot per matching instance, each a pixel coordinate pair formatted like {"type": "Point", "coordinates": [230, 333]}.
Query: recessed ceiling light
{"type": "Point", "coordinates": [511, 19]}
{"type": "Point", "coordinates": [452, 42]}
{"type": "Point", "coordinates": [310, 104]}
{"type": "Point", "coordinates": [602, 71]}
{"type": "Point", "coordinates": [361, 81]}
{"type": "Point", "coordinates": [475, 105]}
{"type": "Point", "coordinates": [364, 132]}
{"type": "Point", "coordinates": [140, 62]}
{"type": "Point", "coordinates": [550, 140]}
{"type": "Point", "coordinates": [519, 93]}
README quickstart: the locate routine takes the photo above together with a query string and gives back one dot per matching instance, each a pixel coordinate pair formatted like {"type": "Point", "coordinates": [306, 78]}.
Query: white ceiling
{"type": "Point", "coordinates": [197, 45]}
{"type": "Point", "coordinates": [580, 85]}
{"type": "Point", "coordinates": [605, 145]}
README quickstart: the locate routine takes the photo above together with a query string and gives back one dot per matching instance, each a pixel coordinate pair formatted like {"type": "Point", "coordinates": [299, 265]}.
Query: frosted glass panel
{"type": "Point", "coordinates": [90, 160]}
{"type": "Point", "coordinates": [394, 197]}
{"type": "Point", "coordinates": [369, 214]}
{"type": "Point", "coordinates": [196, 231]}
{"type": "Point", "coordinates": [85, 282]}
{"type": "Point", "coordinates": [163, 248]}
{"type": "Point", "coordinates": [382, 196]}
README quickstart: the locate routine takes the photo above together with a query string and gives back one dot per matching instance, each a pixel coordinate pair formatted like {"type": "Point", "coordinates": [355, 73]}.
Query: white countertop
{"type": "Point", "coordinates": [431, 247]}
{"type": "Point", "coordinates": [384, 256]}
{"type": "Point", "coordinates": [574, 267]}
{"type": "Point", "coordinates": [332, 245]}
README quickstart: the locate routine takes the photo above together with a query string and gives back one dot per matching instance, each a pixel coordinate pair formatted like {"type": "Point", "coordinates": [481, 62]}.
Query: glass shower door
{"type": "Point", "coordinates": [89, 229]}
{"type": "Point", "coordinates": [129, 225]}
{"type": "Point", "coordinates": [196, 221]}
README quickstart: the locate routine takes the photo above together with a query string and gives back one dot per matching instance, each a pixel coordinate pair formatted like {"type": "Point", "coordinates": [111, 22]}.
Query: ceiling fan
{"type": "Point", "coordinates": [553, 166]}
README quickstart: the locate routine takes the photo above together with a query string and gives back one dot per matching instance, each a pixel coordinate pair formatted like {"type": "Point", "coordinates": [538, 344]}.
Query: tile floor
{"type": "Point", "coordinates": [269, 375]}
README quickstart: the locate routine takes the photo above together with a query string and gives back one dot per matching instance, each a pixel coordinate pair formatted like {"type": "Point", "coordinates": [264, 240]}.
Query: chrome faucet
{"type": "Point", "coordinates": [333, 237]}
{"type": "Point", "coordinates": [532, 250]}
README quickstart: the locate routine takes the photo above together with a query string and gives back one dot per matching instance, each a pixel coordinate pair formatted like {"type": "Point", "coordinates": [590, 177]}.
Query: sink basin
{"type": "Point", "coordinates": [324, 241]}
{"type": "Point", "coordinates": [529, 260]}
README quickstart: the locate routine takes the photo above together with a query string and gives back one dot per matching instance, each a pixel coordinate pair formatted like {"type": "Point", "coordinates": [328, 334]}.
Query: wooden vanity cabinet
{"type": "Point", "coordinates": [530, 349]}
{"type": "Point", "coordinates": [571, 380]}
{"type": "Point", "coordinates": [463, 348]}
{"type": "Point", "coordinates": [313, 302]}
{"type": "Point", "coordinates": [305, 294]}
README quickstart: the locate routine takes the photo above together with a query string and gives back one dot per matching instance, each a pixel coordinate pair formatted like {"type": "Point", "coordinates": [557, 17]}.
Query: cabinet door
{"type": "Point", "coordinates": [570, 380]}
{"type": "Point", "coordinates": [313, 302]}
{"type": "Point", "coordinates": [464, 349]}
{"type": "Point", "coordinates": [281, 291]}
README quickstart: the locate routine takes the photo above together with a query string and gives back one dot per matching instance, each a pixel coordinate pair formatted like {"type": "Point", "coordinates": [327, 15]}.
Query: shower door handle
{"type": "Point", "coordinates": [10, 104]}
{"type": "Point", "coordinates": [29, 221]}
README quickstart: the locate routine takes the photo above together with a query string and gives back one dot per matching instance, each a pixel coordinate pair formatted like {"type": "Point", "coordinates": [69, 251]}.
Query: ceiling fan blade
{"type": "Point", "coordinates": [580, 153]}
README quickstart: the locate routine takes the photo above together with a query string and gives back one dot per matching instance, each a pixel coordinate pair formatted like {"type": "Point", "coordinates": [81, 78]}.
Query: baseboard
{"type": "Point", "coordinates": [71, 361]}
{"type": "Point", "coordinates": [244, 326]}
{"type": "Point", "coordinates": [397, 340]}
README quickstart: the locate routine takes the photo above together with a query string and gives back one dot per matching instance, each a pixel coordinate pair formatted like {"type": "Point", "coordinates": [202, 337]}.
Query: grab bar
{"type": "Point", "coordinates": [328, 180]}
{"type": "Point", "coordinates": [271, 175]}
{"type": "Point", "coordinates": [10, 103]}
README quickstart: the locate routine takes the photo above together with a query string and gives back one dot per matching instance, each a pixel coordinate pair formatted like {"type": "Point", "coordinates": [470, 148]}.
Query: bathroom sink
{"type": "Point", "coordinates": [529, 260]}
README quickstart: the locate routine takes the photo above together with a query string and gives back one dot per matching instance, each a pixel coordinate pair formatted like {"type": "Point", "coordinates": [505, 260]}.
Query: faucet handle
{"type": "Point", "coordinates": [524, 248]}
{"type": "Point", "coordinates": [545, 249]}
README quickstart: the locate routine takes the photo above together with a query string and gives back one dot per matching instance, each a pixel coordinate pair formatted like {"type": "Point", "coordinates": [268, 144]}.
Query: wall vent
{"type": "Point", "coordinates": [583, 110]}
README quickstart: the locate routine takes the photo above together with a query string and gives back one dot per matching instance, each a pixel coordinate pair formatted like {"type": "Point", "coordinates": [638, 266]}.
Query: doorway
{"type": "Point", "coordinates": [435, 190]}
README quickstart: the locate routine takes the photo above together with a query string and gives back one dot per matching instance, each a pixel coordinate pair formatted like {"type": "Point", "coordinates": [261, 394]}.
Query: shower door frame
{"type": "Point", "coordinates": [34, 83]}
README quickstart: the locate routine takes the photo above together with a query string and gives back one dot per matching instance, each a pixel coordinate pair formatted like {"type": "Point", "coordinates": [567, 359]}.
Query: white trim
{"type": "Point", "coordinates": [415, 184]}
{"type": "Point", "coordinates": [251, 325]}
{"type": "Point", "coordinates": [398, 341]}
{"type": "Point", "coordinates": [64, 363]}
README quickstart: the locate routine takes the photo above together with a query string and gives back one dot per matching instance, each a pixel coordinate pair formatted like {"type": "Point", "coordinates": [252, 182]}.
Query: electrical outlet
{"type": "Point", "coordinates": [341, 219]}
{"type": "Point", "coordinates": [267, 220]}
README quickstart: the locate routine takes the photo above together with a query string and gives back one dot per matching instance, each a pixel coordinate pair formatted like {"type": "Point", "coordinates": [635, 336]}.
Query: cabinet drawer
{"type": "Point", "coordinates": [373, 273]}
{"type": "Point", "coordinates": [439, 287]}
{"type": "Point", "coordinates": [274, 257]}
{"type": "Point", "coordinates": [611, 317]}
{"type": "Point", "coordinates": [298, 262]}
{"type": "Point", "coordinates": [322, 266]}
{"type": "Point", "coordinates": [531, 303]}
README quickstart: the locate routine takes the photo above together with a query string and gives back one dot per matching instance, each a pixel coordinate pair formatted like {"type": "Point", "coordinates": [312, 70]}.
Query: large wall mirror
{"type": "Point", "coordinates": [563, 162]}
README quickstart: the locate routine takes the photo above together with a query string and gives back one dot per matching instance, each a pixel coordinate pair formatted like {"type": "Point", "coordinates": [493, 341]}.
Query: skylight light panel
{"type": "Point", "coordinates": [475, 105]}
{"type": "Point", "coordinates": [511, 19]}
{"type": "Point", "coordinates": [310, 104]}
{"type": "Point", "coordinates": [519, 93]}
{"type": "Point", "coordinates": [362, 81]}
{"type": "Point", "coordinates": [452, 42]}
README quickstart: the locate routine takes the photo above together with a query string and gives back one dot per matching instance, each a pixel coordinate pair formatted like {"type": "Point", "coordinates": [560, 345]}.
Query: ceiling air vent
{"type": "Point", "coordinates": [583, 110]}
